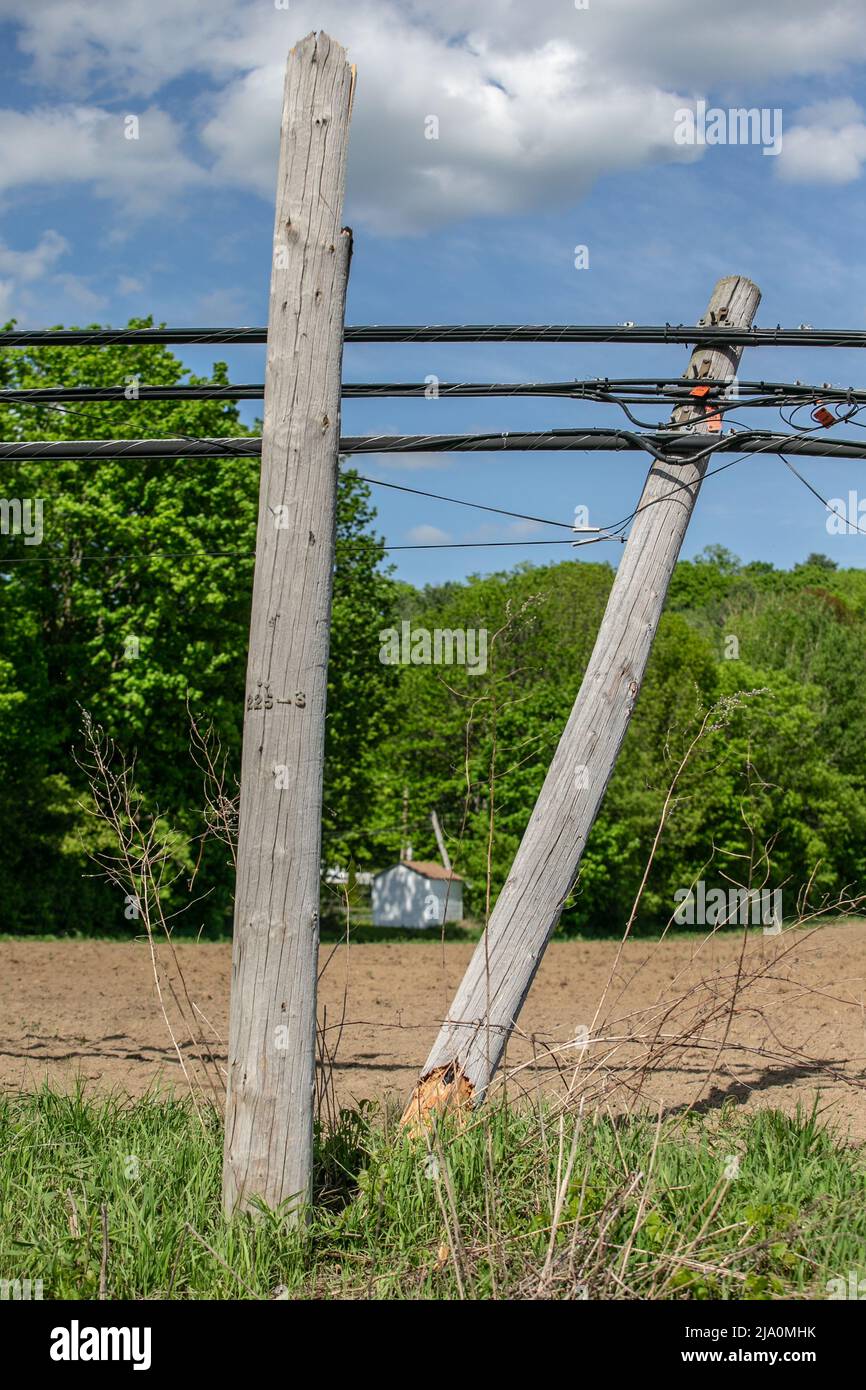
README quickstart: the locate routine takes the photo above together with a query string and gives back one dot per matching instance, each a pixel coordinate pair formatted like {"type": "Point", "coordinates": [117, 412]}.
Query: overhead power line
{"type": "Point", "coordinates": [478, 506]}
{"type": "Point", "coordinates": [664, 445]}
{"type": "Point", "coordinates": [107, 556]}
{"type": "Point", "coordinates": [81, 395]}
{"type": "Point", "coordinates": [634, 390]}
{"type": "Point", "coordinates": [608, 533]}
{"type": "Point", "coordinates": [716, 334]}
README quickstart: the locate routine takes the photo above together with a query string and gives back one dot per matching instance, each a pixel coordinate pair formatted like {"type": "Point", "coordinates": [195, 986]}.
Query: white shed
{"type": "Point", "coordinates": [417, 893]}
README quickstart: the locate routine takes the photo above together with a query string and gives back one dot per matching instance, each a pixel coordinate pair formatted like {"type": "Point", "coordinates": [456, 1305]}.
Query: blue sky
{"type": "Point", "coordinates": [555, 130]}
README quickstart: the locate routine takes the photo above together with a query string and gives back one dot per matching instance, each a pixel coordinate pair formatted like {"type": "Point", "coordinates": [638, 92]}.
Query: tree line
{"type": "Point", "coordinates": [134, 607]}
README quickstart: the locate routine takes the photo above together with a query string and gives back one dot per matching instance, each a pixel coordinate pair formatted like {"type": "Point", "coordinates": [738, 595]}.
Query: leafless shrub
{"type": "Point", "coordinates": [221, 792]}
{"type": "Point", "coordinates": [144, 860]}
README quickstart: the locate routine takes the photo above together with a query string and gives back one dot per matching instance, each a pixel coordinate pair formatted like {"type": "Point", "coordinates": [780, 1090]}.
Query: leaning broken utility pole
{"type": "Point", "coordinates": [272, 1035]}
{"type": "Point", "coordinates": [471, 1041]}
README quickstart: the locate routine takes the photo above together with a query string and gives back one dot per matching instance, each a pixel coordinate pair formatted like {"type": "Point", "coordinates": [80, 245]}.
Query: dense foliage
{"type": "Point", "coordinates": [772, 793]}
{"type": "Point", "coordinates": [135, 607]}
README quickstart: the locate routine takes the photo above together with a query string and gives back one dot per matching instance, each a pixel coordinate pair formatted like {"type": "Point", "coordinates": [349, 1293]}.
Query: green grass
{"type": "Point", "coordinates": [390, 1221]}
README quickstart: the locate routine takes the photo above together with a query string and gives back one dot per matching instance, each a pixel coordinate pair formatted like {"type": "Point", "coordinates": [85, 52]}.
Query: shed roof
{"type": "Point", "coordinates": [428, 868]}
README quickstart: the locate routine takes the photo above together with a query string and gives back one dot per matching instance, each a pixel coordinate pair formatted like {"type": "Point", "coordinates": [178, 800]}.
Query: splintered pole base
{"type": "Point", "coordinates": [442, 1091]}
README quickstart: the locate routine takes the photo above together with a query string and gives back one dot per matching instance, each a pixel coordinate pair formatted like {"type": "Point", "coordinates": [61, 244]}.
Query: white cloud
{"type": "Point", "coordinates": [29, 270]}
{"type": "Point", "coordinates": [126, 49]}
{"type": "Point", "coordinates": [428, 535]}
{"type": "Point", "coordinates": [136, 48]}
{"type": "Point", "coordinates": [25, 266]}
{"type": "Point", "coordinates": [534, 102]}
{"type": "Point", "coordinates": [671, 41]}
{"type": "Point", "coordinates": [515, 128]}
{"type": "Point", "coordinates": [86, 144]}
{"type": "Point", "coordinates": [827, 145]}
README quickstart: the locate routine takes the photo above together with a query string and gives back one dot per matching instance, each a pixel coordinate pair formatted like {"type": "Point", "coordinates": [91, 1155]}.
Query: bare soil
{"type": "Point", "coordinates": [89, 1010]}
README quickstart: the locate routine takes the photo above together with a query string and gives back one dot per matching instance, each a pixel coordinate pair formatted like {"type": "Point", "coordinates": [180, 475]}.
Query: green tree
{"type": "Point", "coordinates": [135, 603]}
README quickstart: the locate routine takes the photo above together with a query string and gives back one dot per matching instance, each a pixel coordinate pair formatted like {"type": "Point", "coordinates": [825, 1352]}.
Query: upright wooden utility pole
{"type": "Point", "coordinates": [272, 1035]}
{"type": "Point", "coordinates": [471, 1041]}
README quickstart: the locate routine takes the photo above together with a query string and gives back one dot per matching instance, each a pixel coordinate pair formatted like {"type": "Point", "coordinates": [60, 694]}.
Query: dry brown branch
{"type": "Point", "coordinates": [141, 866]}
